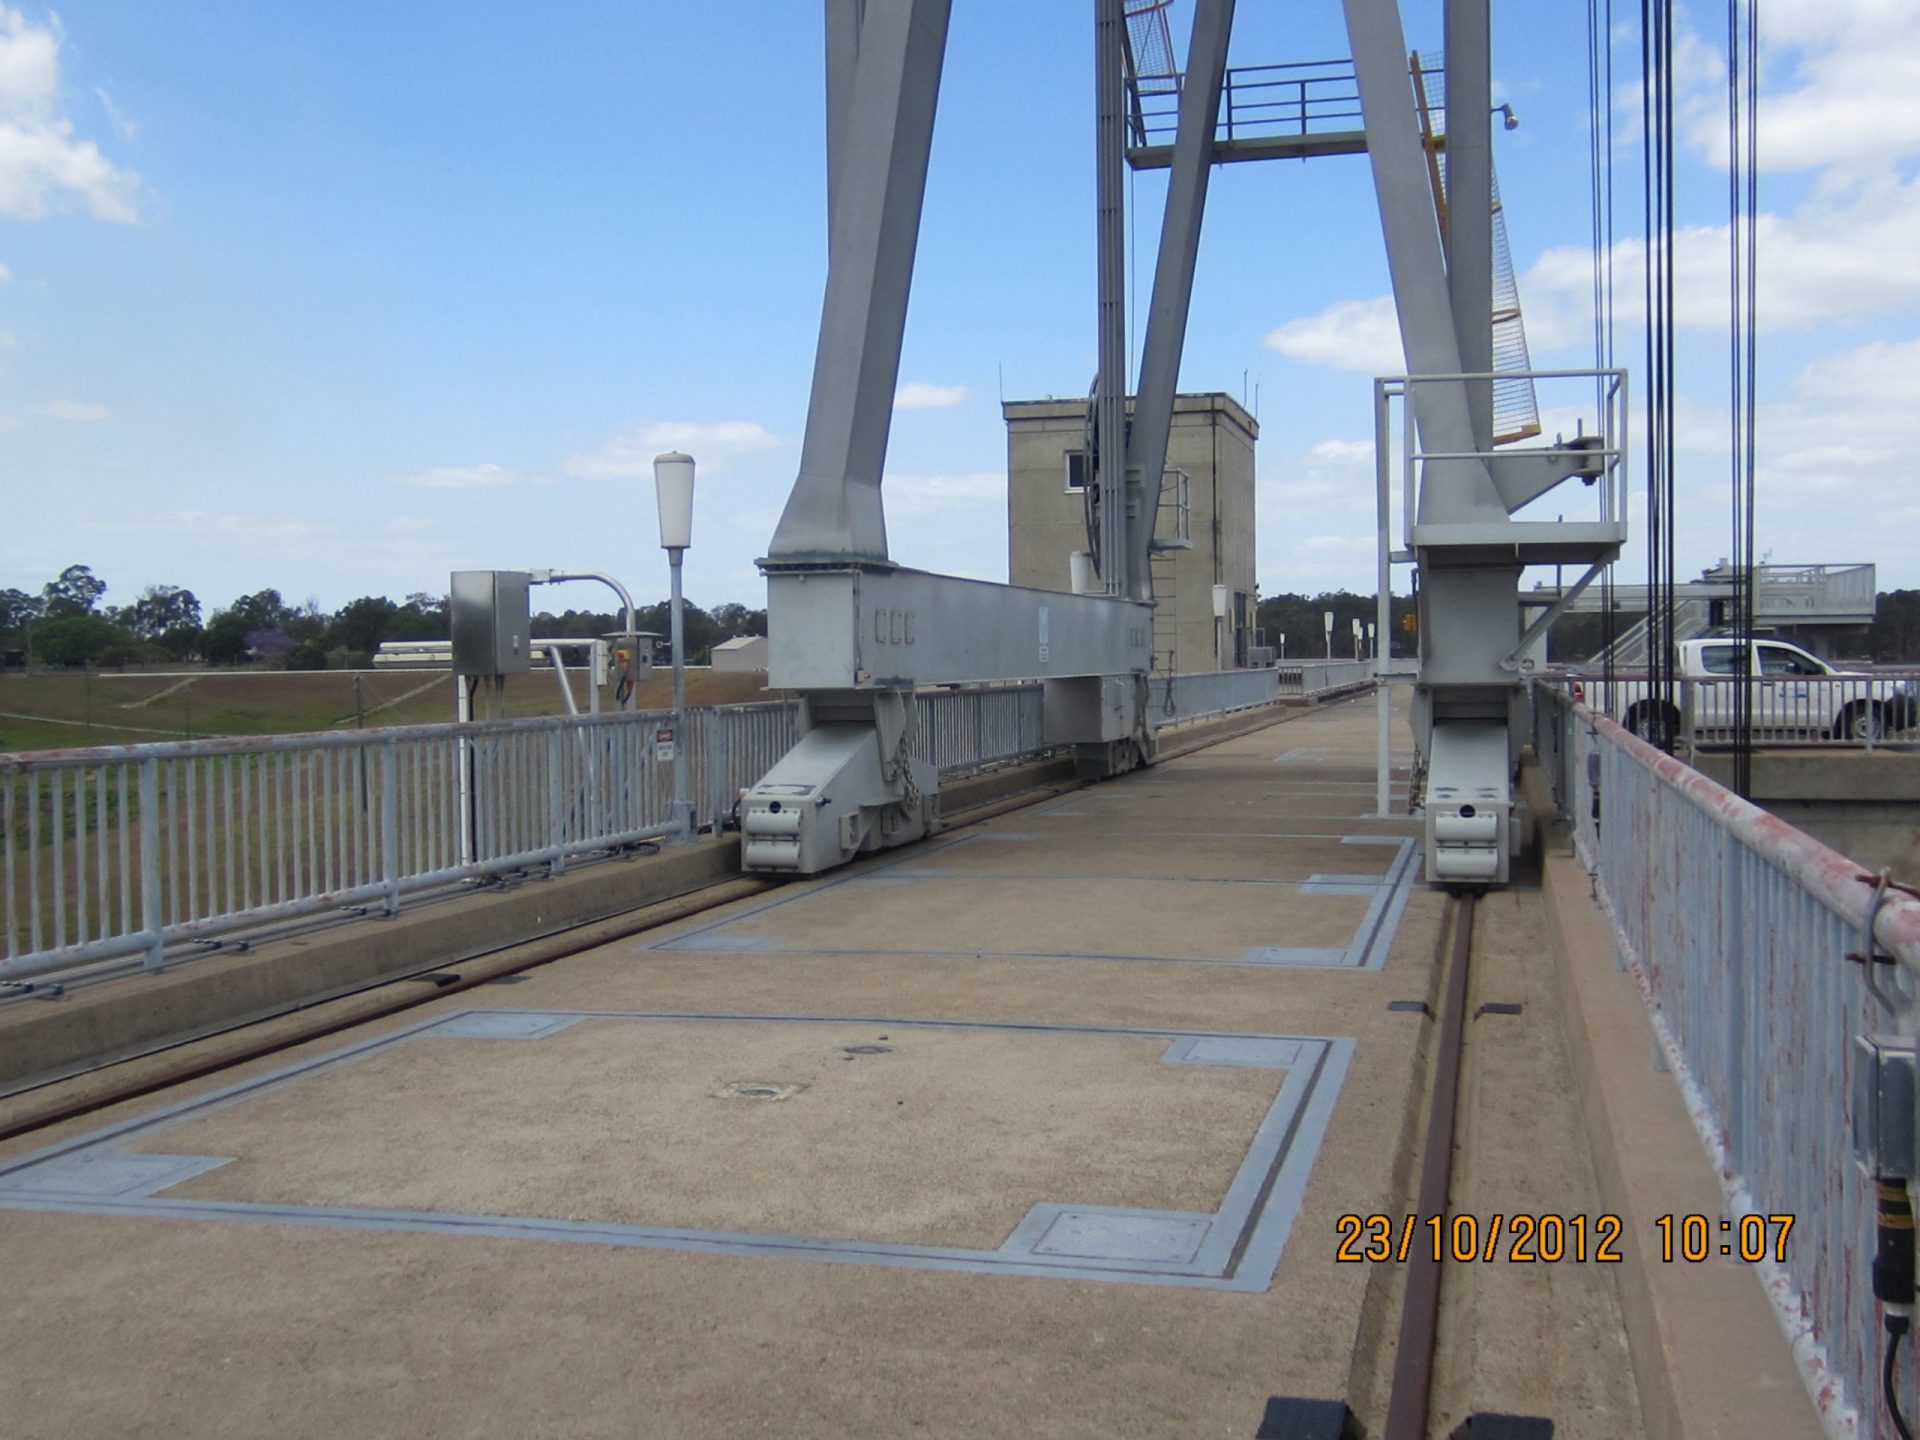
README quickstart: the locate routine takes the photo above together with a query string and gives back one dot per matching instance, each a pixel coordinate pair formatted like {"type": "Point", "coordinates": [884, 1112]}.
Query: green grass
{"type": "Point", "coordinates": [81, 709]}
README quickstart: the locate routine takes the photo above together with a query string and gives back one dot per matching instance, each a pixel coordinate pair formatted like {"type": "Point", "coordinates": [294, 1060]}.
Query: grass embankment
{"type": "Point", "coordinates": [71, 710]}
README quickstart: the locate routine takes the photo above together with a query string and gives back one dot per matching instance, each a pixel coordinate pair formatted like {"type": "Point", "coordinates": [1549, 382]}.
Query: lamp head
{"type": "Point", "coordinates": [673, 490]}
{"type": "Point", "coordinates": [1509, 119]}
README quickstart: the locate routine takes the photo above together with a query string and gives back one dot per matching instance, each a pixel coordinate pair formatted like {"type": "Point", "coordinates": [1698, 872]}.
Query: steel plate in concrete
{"type": "Point", "coordinates": [1236, 1246]}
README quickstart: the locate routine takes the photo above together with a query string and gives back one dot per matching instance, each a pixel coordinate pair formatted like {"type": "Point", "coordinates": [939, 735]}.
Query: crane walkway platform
{"type": "Point", "coordinates": [1044, 1127]}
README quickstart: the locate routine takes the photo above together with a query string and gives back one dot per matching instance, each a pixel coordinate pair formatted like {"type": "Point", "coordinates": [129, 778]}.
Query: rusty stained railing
{"type": "Point", "coordinates": [1747, 937]}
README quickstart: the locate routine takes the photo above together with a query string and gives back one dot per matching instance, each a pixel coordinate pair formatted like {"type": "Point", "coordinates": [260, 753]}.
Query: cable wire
{"type": "Point", "coordinates": [1897, 1325]}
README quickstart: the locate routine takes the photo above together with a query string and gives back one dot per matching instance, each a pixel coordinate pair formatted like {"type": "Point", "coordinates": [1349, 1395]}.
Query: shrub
{"type": "Point", "coordinates": [306, 656]}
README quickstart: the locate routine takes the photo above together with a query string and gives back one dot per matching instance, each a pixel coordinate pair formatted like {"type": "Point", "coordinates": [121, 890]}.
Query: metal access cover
{"type": "Point", "coordinates": [1236, 1246]}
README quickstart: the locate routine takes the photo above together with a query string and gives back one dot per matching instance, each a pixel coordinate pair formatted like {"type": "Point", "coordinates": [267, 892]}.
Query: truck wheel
{"type": "Point", "coordinates": [1654, 723]}
{"type": "Point", "coordinates": [1861, 721]}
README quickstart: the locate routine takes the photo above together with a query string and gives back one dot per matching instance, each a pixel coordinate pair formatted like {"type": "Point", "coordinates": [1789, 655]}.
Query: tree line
{"type": "Point", "coordinates": [68, 622]}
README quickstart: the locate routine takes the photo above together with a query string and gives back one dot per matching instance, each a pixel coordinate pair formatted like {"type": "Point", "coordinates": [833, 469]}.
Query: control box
{"type": "Point", "coordinates": [491, 620]}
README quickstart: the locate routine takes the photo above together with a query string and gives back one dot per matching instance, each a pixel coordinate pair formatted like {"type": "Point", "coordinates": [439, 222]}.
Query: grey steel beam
{"type": "Point", "coordinates": [1173, 281]}
{"type": "Point", "coordinates": [861, 628]}
{"type": "Point", "coordinates": [1454, 490]}
{"type": "Point", "coordinates": [1469, 122]}
{"type": "Point", "coordinates": [843, 51]}
{"type": "Point", "coordinates": [1260, 147]}
{"type": "Point", "coordinates": [886, 131]}
{"type": "Point", "coordinates": [1110, 229]}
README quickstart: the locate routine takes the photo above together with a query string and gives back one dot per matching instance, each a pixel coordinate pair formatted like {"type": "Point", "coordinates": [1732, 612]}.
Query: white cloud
{"type": "Point", "coordinates": [42, 162]}
{"type": "Point", "coordinates": [116, 115]}
{"type": "Point", "coordinates": [909, 495]}
{"type": "Point", "coordinates": [1847, 253]}
{"type": "Point", "coordinates": [1361, 335]}
{"type": "Point", "coordinates": [920, 395]}
{"type": "Point", "coordinates": [71, 410]}
{"type": "Point", "coordinates": [713, 445]}
{"type": "Point", "coordinates": [1342, 452]}
{"type": "Point", "coordinates": [464, 477]}
{"type": "Point", "coordinates": [1840, 79]}
{"type": "Point", "coordinates": [5, 275]}
{"type": "Point", "coordinates": [272, 532]}
{"type": "Point", "coordinates": [29, 63]}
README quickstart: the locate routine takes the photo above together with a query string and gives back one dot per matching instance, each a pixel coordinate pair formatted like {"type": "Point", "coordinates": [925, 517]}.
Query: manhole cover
{"type": "Point", "coordinates": [867, 1049]}
{"type": "Point", "coordinates": [756, 1090]}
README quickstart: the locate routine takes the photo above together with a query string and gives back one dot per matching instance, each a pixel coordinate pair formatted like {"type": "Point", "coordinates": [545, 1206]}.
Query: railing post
{"type": "Point", "coordinates": [390, 826]}
{"type": "Point", "coordinates": [151, 917]}
{"type": "Point", "coordinates": [556, 800]}
{"type": "Point", "coordinates": [715, 733]}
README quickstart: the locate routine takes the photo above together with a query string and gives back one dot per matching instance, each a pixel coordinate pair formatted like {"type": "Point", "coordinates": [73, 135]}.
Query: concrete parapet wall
{"type": "Point", "coordinates": [1709, 1357]}
{"type": "Point", "coordinates": [127, 1015]}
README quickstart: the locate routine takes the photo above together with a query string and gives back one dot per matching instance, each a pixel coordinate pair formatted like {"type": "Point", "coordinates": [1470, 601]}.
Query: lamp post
{"type": "Point", "coordinates": [1328, 617]}
{"type": "Point", "coordinates": [1373, 641]}
{"type": "Point", "coordinates": [1220, 599]}
{"type": "Point", "coordinates": [673, 490]}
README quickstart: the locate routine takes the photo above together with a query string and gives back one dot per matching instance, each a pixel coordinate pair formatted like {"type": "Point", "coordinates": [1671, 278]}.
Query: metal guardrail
{"type": "Point", "coordinates": [1741, 932]}
{"type": "Point", "coordinates": [129, 849]}
{"type": "Point", "coordinates": [124, 851]}
{"type": "Point", "coordinates": [1874, 709]}
{"type": "Point", "coordinates": [1189, 697]}
{"type": "Point", "coordinates": [1308, 678]}
{"type": "Point", "coordinates": [961, 731]}
{"type": "Point", "coordinates": [1300, 98]}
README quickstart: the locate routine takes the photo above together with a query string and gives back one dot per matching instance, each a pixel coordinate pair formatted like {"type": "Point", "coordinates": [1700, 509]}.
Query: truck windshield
{"type": "Point", "coordinates": [1778, 660]}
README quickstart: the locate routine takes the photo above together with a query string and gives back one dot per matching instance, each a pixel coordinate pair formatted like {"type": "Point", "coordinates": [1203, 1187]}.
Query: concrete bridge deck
{"type": "Point", "coordinates": [1044, 1127]}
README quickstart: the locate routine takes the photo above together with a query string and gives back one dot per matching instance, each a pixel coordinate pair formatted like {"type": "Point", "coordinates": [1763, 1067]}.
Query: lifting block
{"type": "Point", "coordinates": [1503, 1427]}
{"type": "Point", "coordinates": [1290, 1418]}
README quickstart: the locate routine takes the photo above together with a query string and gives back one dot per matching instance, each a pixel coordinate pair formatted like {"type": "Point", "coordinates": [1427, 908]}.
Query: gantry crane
{"type": "Point", "coordinates": [857, 634]}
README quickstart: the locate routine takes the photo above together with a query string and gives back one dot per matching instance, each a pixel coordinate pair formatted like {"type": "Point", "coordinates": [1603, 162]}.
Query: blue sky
{"type": "Point", "coordinates": [339, 298]}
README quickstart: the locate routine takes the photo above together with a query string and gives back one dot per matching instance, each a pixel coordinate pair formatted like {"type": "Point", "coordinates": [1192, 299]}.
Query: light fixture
{"type": "Point", "coordinates": [1512, 120]}
{"type": "Point", "coordinates": [673, 489]}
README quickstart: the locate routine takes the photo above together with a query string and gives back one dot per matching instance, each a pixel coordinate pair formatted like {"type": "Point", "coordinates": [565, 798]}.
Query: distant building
{"type": "Point", "coordinates": [1210, 465]}
{"type": "Point", "coordinates": [743, 652]}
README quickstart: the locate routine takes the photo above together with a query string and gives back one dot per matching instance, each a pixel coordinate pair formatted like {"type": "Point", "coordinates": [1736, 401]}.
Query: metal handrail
{"type": "Point", "coordinates": [122, 851]}
{"type": "Point", "coordinates": [1749, 941]}
{"type": "Point", "coordinates": [1259, 100]}
{"type": "Point", "coordinates": [1614, 450]}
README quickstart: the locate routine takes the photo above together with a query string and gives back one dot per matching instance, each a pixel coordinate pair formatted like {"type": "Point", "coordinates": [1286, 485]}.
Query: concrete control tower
{"type": "Point", "coordinates": [1204, 536]}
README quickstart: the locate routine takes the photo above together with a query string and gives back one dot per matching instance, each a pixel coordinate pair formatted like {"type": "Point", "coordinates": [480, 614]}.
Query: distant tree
{"type": "Point", "coordinates": [734, 619]}
{"type": "Point", "coordinates": [76, 592]}
{"type": "Point", "coordinates": [306, 624]}
{"type": "Point", "coordinates": [1895, 634]}
{"type": "Point", "coordinates": [262, 610]}
{"type": "Point", "coordinates": [17, 608]}
{"type": "Point", "coordinates": [161, 608]}
{"type": "Point", "coordinates": [225, 640]}
{"type": "Point", "coordinates": [182, 642]}
{"type": "Point", "coordinates": [306, 656]}
{"type": "Point", "coordinates": [76, 639]}
{"type": "Point", "coordinates": [362, 624]}
{"type": "Point", "coordinates": [1302, 619]}
{"type": "Point", "coordinates": [421, 617]}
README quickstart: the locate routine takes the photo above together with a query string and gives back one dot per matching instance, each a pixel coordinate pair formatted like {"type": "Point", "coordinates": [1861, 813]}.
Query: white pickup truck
{"type": "Point", "coordinates": [1795, 696]}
